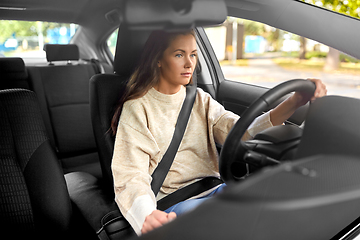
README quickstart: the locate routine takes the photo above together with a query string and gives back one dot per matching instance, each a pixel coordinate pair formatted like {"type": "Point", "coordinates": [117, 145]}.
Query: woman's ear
{"type": "Point", "coordinates": [159, 64]}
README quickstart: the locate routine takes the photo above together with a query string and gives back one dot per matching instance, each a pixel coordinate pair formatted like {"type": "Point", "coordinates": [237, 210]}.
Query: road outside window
{"type": "Point", "coordinates": [259, 54]}
{"type": "Point", "coordinates": [111, 42]}
{"type": "Point", "coordinates": [27, 39]}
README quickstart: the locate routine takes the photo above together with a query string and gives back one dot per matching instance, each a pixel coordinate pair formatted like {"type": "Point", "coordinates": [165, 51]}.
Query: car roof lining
{"type": "Point", "coordinates": [80, 12]}
{"type": "Point", "coordinates": [332, 29]}
{"type": "Point", "coordinates": [41, 10]}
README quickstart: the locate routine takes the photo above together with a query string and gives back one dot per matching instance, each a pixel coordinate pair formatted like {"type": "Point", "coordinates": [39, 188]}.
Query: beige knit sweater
{"type": "Point", "coordinates": [144, 132]}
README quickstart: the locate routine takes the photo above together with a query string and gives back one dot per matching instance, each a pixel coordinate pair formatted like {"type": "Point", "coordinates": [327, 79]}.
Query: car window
{"type": "Point", "coordinates": [111, 41]}
{"type": "Point", "coordinates": [347, 7]}
{"type": "Point", "coordinates": [258, 54]}
{"type": "Point", "coordinates": [26, 39]}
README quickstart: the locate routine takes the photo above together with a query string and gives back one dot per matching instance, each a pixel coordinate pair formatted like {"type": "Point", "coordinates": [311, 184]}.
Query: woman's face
{"type": "Point", "coordinates": [177, 64]}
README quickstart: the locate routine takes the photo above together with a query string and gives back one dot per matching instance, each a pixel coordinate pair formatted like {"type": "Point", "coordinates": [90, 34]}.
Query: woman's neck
{"type": "Point", "coordinates": [166, 88]}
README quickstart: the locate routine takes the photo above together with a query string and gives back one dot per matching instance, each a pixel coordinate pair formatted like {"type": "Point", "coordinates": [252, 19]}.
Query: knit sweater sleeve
{"type": "Point", "coordinates": [134, 146]}
{"type": "Point", "coordinates": [223, 121]}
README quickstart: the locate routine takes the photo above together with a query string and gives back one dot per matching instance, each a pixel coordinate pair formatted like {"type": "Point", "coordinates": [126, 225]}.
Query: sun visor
{"type": "Point", "coordinates": [173, 14]}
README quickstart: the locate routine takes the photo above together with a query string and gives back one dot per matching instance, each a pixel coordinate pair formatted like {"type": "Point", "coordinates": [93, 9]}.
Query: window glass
{"type": "Point", "coordinates": [258, 54]}
{"type": "Point", "coordinates": [27, 39]}
{"type": "Point", "coordinates": [111, 42]}
{"type": "Point", "coordinates": [347, 7]}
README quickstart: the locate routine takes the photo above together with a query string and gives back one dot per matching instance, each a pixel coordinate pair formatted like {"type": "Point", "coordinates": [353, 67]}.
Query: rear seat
{"type": "Point", "coordinates": [62, 88]}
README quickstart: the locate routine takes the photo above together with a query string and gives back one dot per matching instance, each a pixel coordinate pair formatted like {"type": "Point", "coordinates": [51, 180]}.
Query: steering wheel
{"type": "Point", "coordinates": [231, 164]}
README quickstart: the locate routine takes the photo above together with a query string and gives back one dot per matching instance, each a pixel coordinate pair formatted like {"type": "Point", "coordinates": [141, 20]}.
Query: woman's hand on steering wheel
{"type": "Point", "coordinates": [287, 108]}
{"type": "Point", "coordinates": [231, 164]}
{"type": "Point", "coordinates": [301, 98]}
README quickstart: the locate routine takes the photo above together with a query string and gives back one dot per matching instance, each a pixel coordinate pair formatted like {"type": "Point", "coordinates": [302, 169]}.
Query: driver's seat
{"type": "Point", "coordinates": [105, 91]}
{"type": "Point", "coordinates": [95, 198]}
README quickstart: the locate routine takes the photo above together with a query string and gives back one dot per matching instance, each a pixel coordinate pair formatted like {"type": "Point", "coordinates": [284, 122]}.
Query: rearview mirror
{"type": "Point", "coordinates": [173, 14]}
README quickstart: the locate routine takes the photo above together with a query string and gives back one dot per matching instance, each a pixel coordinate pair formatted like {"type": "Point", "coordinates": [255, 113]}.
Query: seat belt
{"type": "Point", "coordinates": [187, 192]}
{"type": "Point", "coordinates": [114, 223]}
{"type": "Point", "coordinates": [163, 167]}
{"type": "Point", "coordinates": [98, 67]}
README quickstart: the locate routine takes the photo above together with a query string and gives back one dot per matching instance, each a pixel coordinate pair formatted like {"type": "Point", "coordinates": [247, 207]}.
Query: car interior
{"type": "Point", "coordinates": [56, 150]}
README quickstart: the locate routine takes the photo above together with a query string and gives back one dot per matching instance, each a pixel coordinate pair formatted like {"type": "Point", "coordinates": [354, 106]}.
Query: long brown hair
{"type": "Point", "coordinates": [147, 73]}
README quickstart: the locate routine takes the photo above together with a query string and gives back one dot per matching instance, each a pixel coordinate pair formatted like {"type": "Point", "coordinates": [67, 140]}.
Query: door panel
{"type": "Point", "coordinates": [237, 97]}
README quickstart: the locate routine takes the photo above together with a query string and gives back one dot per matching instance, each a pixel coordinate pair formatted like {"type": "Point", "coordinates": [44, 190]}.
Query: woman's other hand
{"type": "Point", "coordinates": [156, 219]}
{"type": "Point", "coordinates": [301, 98]}
{"type": "Point", "coordinates": [284, 110]}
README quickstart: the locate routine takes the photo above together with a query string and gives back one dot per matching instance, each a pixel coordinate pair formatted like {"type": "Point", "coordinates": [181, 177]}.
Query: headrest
{"type": "Point", "coordinates": [13, 68]}
{"type": "Point", "coordinates": [128, 50]}
{"type": "Point", "coordinates": [61, 52]}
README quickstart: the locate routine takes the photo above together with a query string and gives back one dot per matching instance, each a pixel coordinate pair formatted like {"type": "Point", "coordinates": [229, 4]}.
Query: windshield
{"type": "Point", "coordinates": [27, 39]}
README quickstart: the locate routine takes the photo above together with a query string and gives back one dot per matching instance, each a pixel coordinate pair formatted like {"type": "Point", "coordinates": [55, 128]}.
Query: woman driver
{"type": "Point", "coordinates": [149, 110]}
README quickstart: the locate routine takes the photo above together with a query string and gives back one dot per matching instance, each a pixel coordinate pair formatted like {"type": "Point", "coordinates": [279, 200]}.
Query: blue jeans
{"type": "Point", "coordinates": [187, 205]}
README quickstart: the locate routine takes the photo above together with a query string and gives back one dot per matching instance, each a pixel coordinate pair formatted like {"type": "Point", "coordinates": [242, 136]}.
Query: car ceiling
{"type": "Point", "coordinates": [71, 11]}
{"type": "Point", "coordinates": [290, 15]}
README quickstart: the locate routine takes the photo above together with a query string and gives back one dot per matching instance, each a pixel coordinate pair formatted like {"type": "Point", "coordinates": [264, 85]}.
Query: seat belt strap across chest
{"type": "Point", "coordinates": [163, 167]}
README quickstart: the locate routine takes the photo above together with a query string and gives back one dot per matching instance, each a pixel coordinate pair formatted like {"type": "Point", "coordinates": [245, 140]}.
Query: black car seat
{"type": "Point", "coordinates": [62, 87]}
{"type": "Point", "coordinates": [95, 199]}
{"type": "Point", "coordinates": [34, 202]}
{"type": "Point", "coordinates": [105, 91]}
{"type": "Point", "coordinates": [13, 74]}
